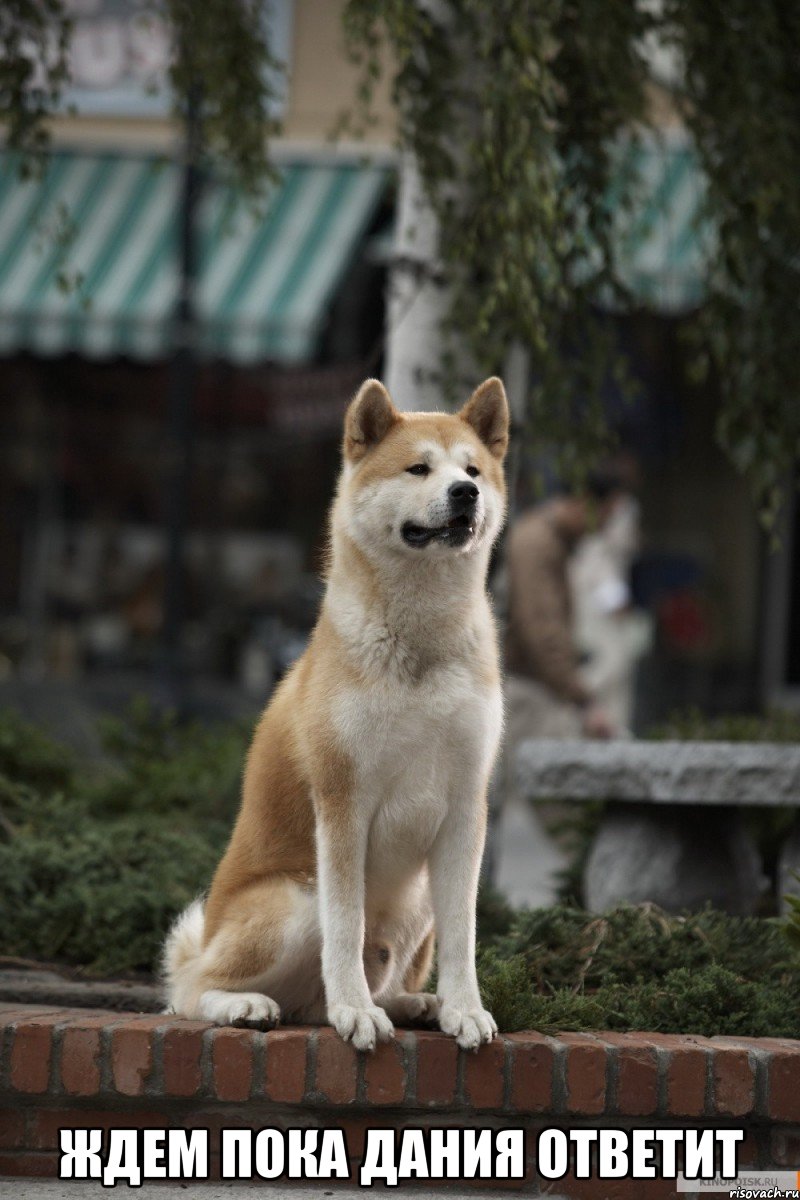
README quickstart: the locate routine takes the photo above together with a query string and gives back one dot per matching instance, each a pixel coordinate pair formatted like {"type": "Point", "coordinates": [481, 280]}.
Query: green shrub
{"type": "Point", "coordinates": [30, 756]}
{"type": "Point", "coordinates": [692, 725]}
{"type": "Point", "coordinates": [100, 894]}
{"type": "Point", "coordinates": [711, 1002]}
{"type": "Point", "coordinates": [567, 947]}
{"type": "Point", "coordinates": [95, 863]}
{"type": "Point", "coordinates": [638, 968]}
{"type": "Point", "coordinates": [157, 764]}
{"type": "Point", "coordinates": [96, 860]}
{"type": "Point", "coordinates": [792, 923]}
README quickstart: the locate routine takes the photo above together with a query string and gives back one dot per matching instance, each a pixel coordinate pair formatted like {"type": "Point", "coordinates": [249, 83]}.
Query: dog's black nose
{"type": "Point", "coordinates": [462, 494]}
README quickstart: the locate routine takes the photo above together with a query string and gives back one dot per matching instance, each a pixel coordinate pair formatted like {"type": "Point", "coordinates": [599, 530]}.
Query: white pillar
{"type": "Point", "coordinates": [417, 299]}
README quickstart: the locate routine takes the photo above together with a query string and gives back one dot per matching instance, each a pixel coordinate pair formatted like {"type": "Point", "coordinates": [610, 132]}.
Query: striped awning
{"type": "Point", "coordinates": [88, 257]}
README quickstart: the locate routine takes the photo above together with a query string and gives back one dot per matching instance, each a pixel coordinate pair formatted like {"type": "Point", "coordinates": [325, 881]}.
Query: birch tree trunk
{"type": "Point", "coordinates": [417, 300]}
{"type": "Point", "coordinates": [418, 296]}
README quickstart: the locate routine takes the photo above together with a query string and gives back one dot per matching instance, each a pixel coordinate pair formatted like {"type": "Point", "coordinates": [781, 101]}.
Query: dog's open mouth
{"type": "Point", "coordinates": [456, 532]}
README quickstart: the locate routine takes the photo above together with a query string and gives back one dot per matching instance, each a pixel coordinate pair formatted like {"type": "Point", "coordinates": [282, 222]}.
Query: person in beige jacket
{"type": "Point", "coordinates": [546, 693]}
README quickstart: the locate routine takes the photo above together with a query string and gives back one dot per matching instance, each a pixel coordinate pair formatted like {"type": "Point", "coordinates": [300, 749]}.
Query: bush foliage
{"type": "Point", "coordinates": [515, 112]}
{"type": "Point", "coordinates": [691, 725]}
{"type": "Point", "coordinates": [96, 859]}
{"type": "Point", "coordinates": [637, 968]}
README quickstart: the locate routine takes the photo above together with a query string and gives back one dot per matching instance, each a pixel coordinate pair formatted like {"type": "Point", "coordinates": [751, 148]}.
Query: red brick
{"type": "Point", "coordinates": [437, 1063]}
{"type": "Point", "coordinates": [31, 1054]}
{"type": "Point", "coordinates": [182, 1049]}
{"type": "Point", "coordinates": [609, 1189]}
{"type": "Point", "coordinates": [80, 1061]}
{"type": "Point", "coordinates": [785, 1148]}
{"type": "Point", "coordinates": [483, 1075]}
{"type": "Point", "coordinates": [784, 1085]}
{"type": "Point", "coordinates": [12, 1128]}
{"type": "Point", "coordinates": [12, 1013]}
{"type": "Point", "coordinates": [132, 1057]}
{"type": "Point", "coordinates": [355, 1132]}
{"type": "Point", "coordinates": [687, 1072]}
{"type": "Point", "coordinates": [637, 1073]}
{"type": "Point", "coordinates": [515, 1187]}
{"type": "Point", "coordinates": [585, 1074]}
{"type": "Point", "coordinates": [81, 1050]}
{"type": "Point", "coordinates": [286, 1065]}
{"type": "Point", "coordinates": [353, 1173]}
{"type": "Point", "coordinates": [46, 1123]}
{"type": "Point", "coordinates": [725, 1042]}
{"type": "Point", "coordinates": [792, 1045]}
{"type": "Point", "coordinates": [239, 1117]}
{"type": "Point", "coordinates": [532, 1062]}
{"type": "Point", "coordinates": [734, 1083]}
{"type": "Point", "coordinates": [337, 1065]}
{"type": "Point", "coordinates": [99, 1017]}
{"type": "Point", "coordinates": [232, 1063]}
{"type": "Point", "coordinates": [26, 1166]}
{"type": "Point", "coordinates": [385, 1073]}
{"type": "Point", "coordinates": [747, 1151]}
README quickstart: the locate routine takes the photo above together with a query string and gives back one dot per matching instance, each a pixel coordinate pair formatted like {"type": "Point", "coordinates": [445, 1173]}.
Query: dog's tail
{"type": "Point", "coordinates": [182, 950]}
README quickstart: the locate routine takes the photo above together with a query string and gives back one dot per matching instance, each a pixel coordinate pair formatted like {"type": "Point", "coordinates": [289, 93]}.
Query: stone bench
{"type": "Point", "coordinates": [672, 832]}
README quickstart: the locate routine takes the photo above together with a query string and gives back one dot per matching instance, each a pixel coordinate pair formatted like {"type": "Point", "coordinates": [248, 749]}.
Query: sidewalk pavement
{"type": "Point", "coordinates": [69, 1189]}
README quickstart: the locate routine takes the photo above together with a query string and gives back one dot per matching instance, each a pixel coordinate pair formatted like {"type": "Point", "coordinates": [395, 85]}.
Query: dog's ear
{"type": "Point", "coordinates": [487, 412]}
{"type": "Point", "coordinates": [369, 418]}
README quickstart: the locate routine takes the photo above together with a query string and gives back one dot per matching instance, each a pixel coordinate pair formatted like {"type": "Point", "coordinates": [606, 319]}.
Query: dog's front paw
{"type": "Point", "coordinates": [361, 1026]}
{"type": "Point", "coordinates": [469, 1026]}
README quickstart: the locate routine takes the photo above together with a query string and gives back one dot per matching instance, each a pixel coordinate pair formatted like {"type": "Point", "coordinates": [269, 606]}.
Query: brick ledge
{"type": "Point", "coordinates": [83, 1053]}
{"type": "Point", "coordinates": [112, 1068]}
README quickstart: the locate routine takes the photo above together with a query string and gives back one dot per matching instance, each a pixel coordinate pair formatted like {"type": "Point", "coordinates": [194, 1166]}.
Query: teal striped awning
{"type": "Point", "coordinates": [88, 251]}
{"type": "Point", "coordinates": [88, 257]}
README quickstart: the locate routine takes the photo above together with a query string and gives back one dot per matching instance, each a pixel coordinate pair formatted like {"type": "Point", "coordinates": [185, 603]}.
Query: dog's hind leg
{"type": "Point", "coordinates": [411, 1003]}
{"type": "Point", "coordinates": [419, 968]}
{"type": "Point", "coordinates": [261, 959]}
{"type": "Point", "coordinates": [252, 1009]}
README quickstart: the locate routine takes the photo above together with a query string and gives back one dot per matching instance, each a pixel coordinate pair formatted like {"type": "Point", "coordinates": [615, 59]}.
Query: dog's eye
{"type": "Point", "coordinates": [472, 471]}
{"type": "Point", "coordinates": [419, 469]}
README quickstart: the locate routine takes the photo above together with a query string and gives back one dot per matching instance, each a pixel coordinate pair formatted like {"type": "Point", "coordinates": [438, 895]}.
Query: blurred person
{"type": "Point", "coordinates": [547, 695]}
{"type": "Point", "coordinates": [611, 634]}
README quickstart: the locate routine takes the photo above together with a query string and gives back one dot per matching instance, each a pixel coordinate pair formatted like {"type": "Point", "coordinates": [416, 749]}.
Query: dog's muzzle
{"type": "Point", "coordinates": [462, 498]}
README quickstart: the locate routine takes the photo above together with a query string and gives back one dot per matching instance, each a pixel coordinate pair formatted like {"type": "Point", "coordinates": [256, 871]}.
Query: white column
{"type": "Point", "coordinates": [417, 299]}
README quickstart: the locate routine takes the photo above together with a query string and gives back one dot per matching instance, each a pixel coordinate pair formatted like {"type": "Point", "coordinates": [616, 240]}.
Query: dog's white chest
{"type": "Point", "coordinates": [415, 750]}
{"type": "Point", "coordinates": [392, 731]}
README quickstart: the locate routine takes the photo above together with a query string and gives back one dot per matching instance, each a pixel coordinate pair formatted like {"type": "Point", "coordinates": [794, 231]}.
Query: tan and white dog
{"type": "Point", "coordinates": [364, 802]}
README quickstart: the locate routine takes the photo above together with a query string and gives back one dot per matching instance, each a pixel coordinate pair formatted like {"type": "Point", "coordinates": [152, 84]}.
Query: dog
{"type": "Point", "coordinates": [363, 812]}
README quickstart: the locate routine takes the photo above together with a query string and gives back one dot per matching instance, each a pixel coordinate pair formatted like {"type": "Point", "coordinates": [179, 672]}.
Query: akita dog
{"type": "Point", "coordinates": [364, 799]}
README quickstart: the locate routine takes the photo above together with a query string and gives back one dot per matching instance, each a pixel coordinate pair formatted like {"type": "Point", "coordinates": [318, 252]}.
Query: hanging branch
{"type": "Point", "coordinates": [742, 81]}
{"type": "Point", "coordinates": [512, 122]}
{"type": "Point", "coordinates": [227, 42]}
{"type": "Point", "coordinates": [534, 94]}
{"type": "Point", "coordinates": [34, 41]}
{"type": "Point", "coordinates": [554, 84]}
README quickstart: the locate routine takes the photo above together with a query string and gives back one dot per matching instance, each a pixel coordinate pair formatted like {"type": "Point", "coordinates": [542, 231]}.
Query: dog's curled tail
{"type": "Point", "coordinates": [182, 950]}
